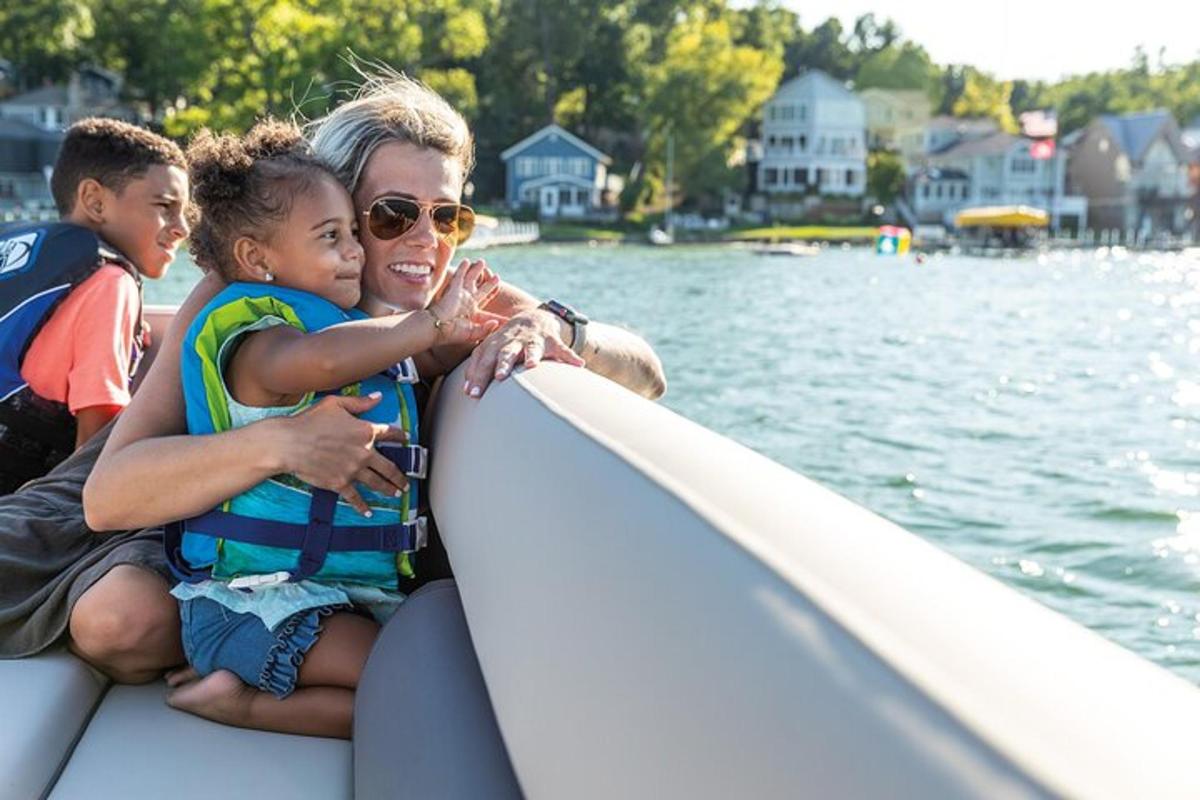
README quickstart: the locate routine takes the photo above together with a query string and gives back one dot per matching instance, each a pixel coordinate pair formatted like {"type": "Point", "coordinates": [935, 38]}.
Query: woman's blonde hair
{"type": "Point", "coordinates": [389, 107]}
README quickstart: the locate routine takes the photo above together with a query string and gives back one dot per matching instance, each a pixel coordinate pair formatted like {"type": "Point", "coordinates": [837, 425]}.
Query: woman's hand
{"type": "Point", "coordinates": [330, 447]}
{"type": "Point", "coordinates": [459, 312]}
{"type": "Point", "coordinates": [529, 337]}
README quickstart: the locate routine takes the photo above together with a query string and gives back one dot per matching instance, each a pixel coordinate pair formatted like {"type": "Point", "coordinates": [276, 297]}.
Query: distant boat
{"type": "Point", "coordinates": [660, 237]}
{"type": "Point", "coordinates": [1002, 217]}
{"type": "Point", "coordinates": [788, 249]}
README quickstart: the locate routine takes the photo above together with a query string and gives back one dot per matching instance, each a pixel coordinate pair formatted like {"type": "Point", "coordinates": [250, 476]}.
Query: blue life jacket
{"type": "Point", "coordinates": [40, 264]}
{"type": "Point", "coordinates": [283, 528]}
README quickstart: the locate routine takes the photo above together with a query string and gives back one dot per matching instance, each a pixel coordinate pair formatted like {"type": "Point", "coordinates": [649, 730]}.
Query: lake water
{"type": "Point", "coordinates": [1038, 417]}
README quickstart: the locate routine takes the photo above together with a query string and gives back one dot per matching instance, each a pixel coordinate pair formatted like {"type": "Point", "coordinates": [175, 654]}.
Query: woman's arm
{"type": "Point", "coordinates": [533, 334]}
{"type": "Point", "coordinates": [152, 472]}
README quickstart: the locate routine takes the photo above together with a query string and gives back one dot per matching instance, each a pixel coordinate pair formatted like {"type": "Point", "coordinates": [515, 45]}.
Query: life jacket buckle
{"type": "Point", "coordinates": [258, 581]}
{"type": "Point", "coordinates": [412, 459]}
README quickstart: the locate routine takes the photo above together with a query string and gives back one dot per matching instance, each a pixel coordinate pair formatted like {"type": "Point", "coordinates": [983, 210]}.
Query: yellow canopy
{"type": "Point", "coordinates": [1002, 217]}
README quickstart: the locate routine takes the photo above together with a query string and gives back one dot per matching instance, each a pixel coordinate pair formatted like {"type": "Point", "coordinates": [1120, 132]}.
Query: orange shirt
{"type": "Point", "coordinates": [81, 355]}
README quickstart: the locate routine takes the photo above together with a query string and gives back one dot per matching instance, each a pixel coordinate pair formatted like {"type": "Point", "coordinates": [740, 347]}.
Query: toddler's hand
{"type": "Point", "coordinates": [460, 308]}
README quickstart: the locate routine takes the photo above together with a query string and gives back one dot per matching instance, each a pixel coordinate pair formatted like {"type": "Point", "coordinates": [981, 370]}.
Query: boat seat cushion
{"type": "Point", "coordinates": [138, 748]}
{"type": "Point", "coordinates": [46, 703]}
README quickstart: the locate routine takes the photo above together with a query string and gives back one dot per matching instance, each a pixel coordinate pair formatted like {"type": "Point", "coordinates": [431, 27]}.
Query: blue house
{"type": "Point", "coordinates": [556, 172]}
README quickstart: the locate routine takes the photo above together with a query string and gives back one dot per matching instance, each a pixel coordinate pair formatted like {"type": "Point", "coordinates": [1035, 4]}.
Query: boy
{"type": "Point", "coordinates": [71, 329]}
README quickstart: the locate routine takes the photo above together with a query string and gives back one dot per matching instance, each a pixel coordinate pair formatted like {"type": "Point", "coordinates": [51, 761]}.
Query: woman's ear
{"type": "Point", "coordinates": [252, 259]}
{"type": "Point", "coordinates": [90, 200]}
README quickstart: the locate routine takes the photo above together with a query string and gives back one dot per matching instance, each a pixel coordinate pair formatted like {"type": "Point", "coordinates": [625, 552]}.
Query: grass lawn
{"type": "Point", "coordinates": [807, 233]}
{"type": "Point", "coordinates": [560, 232]}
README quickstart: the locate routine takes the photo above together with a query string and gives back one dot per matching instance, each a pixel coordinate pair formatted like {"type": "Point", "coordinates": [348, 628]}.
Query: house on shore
{"type": "Point", "coordinates": [1191, 141]}
{"type": "Point", "coordinates": [897, 120]}
{"type": "Point", "coordinates": [559, 174]}
{"type": "Point", "coordinates": [1134, 170]}
{"type": "Point", "coordinates": [32, 126]}
{"type": "Point", "coordinates": [994, 169]}
{"type": "Point", "coordinates": [813, 140]}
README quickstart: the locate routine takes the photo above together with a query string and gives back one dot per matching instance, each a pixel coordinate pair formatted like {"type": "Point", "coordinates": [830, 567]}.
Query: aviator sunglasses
{"type": "Point", "coordinates": [392, 217]}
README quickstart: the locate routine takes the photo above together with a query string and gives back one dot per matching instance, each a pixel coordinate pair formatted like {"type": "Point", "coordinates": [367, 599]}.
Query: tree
{"type": "Point", "coordinates": [906, 66]}
{"type": "Point", "coordinates": [824, 49]}
{"type": "Point", "coordinates": [885, 175]}
{"type": "Point", "coordinates": [702, 93]}
{"type": "Point", "coordinates": [984, 96]}
{"type": "Point", "coordinates": [44, 38]}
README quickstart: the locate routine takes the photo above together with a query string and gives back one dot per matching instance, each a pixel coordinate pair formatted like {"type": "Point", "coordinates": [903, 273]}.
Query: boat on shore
{"type": "Point", "coordinates": [660, 612]}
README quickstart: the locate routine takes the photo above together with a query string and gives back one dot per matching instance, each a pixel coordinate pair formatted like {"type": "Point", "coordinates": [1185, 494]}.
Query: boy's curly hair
{"type": "Point", "coordinates": [110, 152]}
{"type": "Point", "coordinates": [244, 186]}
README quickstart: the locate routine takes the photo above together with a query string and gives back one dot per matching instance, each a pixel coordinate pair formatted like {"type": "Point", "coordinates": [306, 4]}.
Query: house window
{"type": "Point", "coordinates": [800, 176]}
{"type": "Point", "coordinates": [770, 176]}
{"type": "Point", "coordinates": [838, 145]}
{"type": "Point", "coordinates": [821, 177]}
{"type": "Point", "coordinates": [582, 167]}
{"type": "Point", "coordinates": [787, 112]}
{"type": "Point", "coordinates": [803, 141]}
{"type": "Point", "coordinates": [772, 112]}
{"type": "Point", "coordinates": [803, 113]}
{"type": "Point", "coordinates": [1024, 166]}
{"type": "Point", "coordinates": [849, 177]}
{"type": "Point", "coordinates": [938, 191]}
{"type": "Point", "coordinates": [787, 142]}
{"type": "Point", "coordinates": [581, 197]}
{"type": "Point", "coordinates": [524, 167]}
{"type": "Point", "coordinates": [925, 191]}
{"type": "Point", "coordinates": [564, 197]}
{"type": "Point", "coordinates": [771, 141]}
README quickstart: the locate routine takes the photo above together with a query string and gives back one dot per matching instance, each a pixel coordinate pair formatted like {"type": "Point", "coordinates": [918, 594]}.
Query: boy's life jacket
{"type": "Point", "coordinates": [285, 529]}
{"type": "Point", "coordinates": [40, 264]}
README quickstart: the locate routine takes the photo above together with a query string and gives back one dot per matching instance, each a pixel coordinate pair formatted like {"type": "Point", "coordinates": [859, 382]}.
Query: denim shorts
{"type": "Point", "coordinates": [216, 638]}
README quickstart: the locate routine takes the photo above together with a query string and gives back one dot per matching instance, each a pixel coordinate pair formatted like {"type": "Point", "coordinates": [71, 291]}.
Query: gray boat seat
{"type": "Point", "coordinates": [46, 703]}
{"type": "Point", "coordinates": [137, 746]}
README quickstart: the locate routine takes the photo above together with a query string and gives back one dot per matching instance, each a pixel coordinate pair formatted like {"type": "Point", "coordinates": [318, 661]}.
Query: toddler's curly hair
{"type": "Point", "coordinates": [244, 186]}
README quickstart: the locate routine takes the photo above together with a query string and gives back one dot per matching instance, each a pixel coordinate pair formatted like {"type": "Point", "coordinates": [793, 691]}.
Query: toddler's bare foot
{"type": "Point", "coordinates": [179, 676]}
{"type": "Point", "coordinates": [221, 697]}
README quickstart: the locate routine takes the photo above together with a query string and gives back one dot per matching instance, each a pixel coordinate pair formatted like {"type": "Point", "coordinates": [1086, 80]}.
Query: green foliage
{"type": "Point", "coordinates": [885, 176]}
{"type": "Point", "coordinates": [701, 94]}
{"type": "Point", "coordinates": [984, 96]}
{"type": "Point", "coordinates": [903, 66]}
{"type": "Point", "coordinates": [44, 39]}
{"type": "Point", "coordinates": [620, 73]}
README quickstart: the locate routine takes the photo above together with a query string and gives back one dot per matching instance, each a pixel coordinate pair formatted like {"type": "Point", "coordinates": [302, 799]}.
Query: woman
{"type": "Point", "coordinates": [397, 139]}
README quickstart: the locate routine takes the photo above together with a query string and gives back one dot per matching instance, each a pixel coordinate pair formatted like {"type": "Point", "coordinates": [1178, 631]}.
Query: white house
{"type": "Point", "coordinates": [814, 139]}
{"type": "Point", "coordinates": [999, 169]}
{"type": "Point", "coordinates": [944, 131]}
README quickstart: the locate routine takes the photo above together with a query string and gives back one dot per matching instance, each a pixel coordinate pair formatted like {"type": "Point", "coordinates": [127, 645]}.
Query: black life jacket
{"type": "Point", "coordinates": [40, 264]}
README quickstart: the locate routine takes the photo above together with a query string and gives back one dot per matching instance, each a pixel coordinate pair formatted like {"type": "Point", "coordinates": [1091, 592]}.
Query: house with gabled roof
{"type": "Point", "coordinates": [994, 169]}
{"type": "Point", "coordinates": [556, 172]}
{"type": "Point", "coordinates": [814, 133]}
{"type": "Point", "coordinates": [1133, 168]}
{"type": "Point", "coordinates": [32, 125]}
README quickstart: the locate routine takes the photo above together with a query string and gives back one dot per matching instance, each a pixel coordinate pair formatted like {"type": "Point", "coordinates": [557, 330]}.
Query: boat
{"type": "Point", "coordinates": [1002, 217]}
{"type": "Point", "coordinates": [660, 612]}
{"type": "Point", "coordinates": [1001, 229]}
{"type": "Point", "coordinates": [788, 249]}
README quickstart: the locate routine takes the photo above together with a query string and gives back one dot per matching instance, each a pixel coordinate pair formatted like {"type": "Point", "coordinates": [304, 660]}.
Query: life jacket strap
{"type": "Point", "coordinates": [411, 459]}
{"type": "Point", "coordinates": [310, 540]}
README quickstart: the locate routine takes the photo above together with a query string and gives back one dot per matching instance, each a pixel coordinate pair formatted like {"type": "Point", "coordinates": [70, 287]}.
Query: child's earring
{"type": "Point", "coordinates": [269, 277]}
